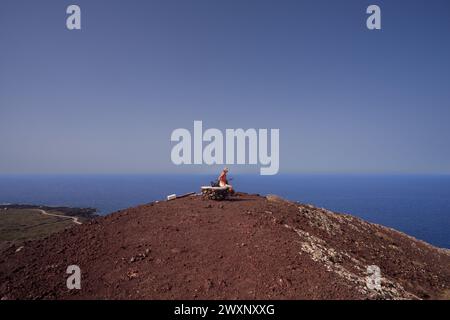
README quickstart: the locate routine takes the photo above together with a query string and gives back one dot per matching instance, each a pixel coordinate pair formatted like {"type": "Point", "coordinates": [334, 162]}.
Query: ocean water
{"type": "Point", "coordinates": [415, 204]}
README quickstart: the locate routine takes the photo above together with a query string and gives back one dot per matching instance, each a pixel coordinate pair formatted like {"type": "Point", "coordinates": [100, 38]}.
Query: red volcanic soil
{"type": "Point", "coordinates": [251, 247]}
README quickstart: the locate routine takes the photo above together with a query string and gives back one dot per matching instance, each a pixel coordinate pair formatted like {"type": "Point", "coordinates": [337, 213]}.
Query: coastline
{"type": "Point", "coordinates": [21, 223]}
{"type": "Point", "coordinates": [86, 213]}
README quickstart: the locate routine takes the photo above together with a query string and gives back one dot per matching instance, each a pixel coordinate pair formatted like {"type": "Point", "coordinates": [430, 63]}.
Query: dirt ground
{"type": "Point", "coordinates": [250, 247]}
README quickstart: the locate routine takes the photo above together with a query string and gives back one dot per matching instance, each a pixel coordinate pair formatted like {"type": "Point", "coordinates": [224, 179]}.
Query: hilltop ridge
{"type": "Point", "coordinates": [251, 247]}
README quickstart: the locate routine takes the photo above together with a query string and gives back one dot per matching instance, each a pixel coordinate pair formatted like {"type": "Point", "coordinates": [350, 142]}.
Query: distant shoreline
{"type": "Point", "coordinates": [24, 222]}
{"type": "Point", "coordinates": [86, 213]}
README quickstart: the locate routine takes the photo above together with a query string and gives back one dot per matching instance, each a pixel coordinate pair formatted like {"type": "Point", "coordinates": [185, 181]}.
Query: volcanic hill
{"type": "Point", "coordinates": [250, 247]}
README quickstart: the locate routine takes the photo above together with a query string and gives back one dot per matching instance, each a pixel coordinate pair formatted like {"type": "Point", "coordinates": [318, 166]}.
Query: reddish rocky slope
{"type": "Point", "coordinates": [250, 248]}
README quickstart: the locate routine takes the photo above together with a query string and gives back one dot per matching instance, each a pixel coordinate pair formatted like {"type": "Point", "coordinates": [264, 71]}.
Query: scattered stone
{"type": "Point", "coordinates": [132, 274]}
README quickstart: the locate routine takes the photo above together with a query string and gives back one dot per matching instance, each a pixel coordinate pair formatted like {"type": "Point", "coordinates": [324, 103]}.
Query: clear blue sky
{"type": "Point", "coordinates": [106, 99]}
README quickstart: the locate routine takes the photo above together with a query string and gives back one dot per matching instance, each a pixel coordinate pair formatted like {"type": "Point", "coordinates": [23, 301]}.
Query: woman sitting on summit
{"type": "Point", "coordinates": [223, 182]}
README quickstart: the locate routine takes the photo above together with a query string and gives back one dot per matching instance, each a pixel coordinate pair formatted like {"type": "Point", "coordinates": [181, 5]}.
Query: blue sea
{"type": "Point", "coordinates": [418, 205]}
